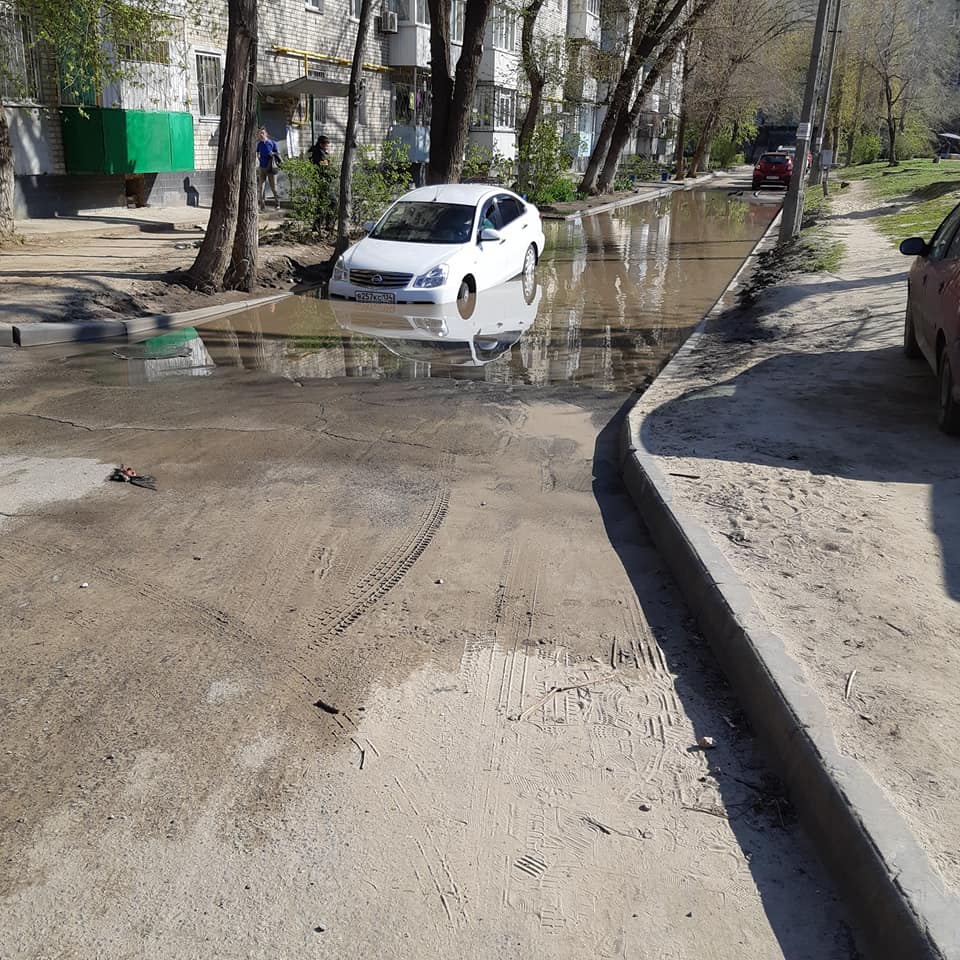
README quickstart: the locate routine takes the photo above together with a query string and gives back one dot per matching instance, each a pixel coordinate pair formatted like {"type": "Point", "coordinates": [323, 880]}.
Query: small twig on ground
{"type": "Point", "coordinates": [363, 753]}
{"type": "Point", "coordinates": [554, 690]}
{"type": "Point", "coordinates": [713, 813]}
{"type": "Point", "coordinates": [849, 687]}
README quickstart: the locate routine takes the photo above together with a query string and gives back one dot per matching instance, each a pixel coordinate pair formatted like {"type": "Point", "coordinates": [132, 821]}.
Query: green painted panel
{"type": "Point", "coordinates": [127, 141]}
{"type": "Point", "coordinates": [83, 141]}
{"type": "Point", "coordinates": [181, 141]}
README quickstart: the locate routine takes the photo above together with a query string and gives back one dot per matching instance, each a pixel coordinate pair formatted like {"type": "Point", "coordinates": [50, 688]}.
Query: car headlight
{"type": "Point", "coordinates": [436, 277]}
{"type": "Point", "coordinates": [340, 271]}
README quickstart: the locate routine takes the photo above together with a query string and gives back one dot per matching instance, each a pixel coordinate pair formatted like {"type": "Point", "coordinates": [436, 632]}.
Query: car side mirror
{"type": "Point", "coordinates": [914, 247]}
{"type": "Point", "coordinates": [490, 235]}
{"type": "Point", "coordinates": [368, 226]}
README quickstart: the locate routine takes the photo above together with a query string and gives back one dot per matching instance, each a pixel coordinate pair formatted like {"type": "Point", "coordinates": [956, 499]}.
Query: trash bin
{"type": "Point", "coordinates": [664, 176]}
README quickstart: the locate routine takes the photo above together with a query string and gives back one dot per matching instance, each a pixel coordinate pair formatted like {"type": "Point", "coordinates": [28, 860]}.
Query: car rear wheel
{"type": "Point", "coordinates": [910, 346]}
{"type": "Point", "coordinates": [466, 300]}
{"type": "Point", "coordinates": [949, 418]}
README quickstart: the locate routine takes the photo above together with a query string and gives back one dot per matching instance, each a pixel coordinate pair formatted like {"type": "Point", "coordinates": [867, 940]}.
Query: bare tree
{"type": "Point", "coordinates": [453, 91]}
{"type": "Point", "coordinates": [350, 138]}
{"type": "Point", "coordinates": [537, 81]}
{"type": "Point", "coordinates": [657, 25]}
{"type": "Point", "coordinates": [235, 168]}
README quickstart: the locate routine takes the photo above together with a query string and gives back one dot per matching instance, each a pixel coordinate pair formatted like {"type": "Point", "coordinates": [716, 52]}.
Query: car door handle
{"type": "Point", "coordinates": [524, 227]}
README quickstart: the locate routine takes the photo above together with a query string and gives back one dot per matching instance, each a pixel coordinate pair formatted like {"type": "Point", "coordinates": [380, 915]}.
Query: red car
{"type": "Point", "coordinates": [932, 325]}
{"type": "Point", "coordinates": [773, 170]}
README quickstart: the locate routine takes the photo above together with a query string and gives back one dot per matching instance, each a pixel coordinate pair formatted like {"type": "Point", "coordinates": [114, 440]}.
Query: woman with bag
{"type": "Point", "coordinates": [269, 166]}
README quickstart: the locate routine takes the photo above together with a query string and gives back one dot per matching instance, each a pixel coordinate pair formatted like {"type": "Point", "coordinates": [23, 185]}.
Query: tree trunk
{"type": "Point", "coordinates": [208, 270]}
{"type": "Point", "coordinates": [704, 142]}
{"type": "Point", "coordinates": [242, 272]}
{"type": "Point", "coordinates": [679, 158]}
{"type": "Point", "coordinates": [891, 123]}
{"type": "Point", "coordinates": [453, 98]}
{"type": "Point", "coordinates": [345, 211]}
{"type": "Point", "coordinates": [6, 178]}
{"type": "Point", "coordinates": [628, 120]}
{"type": "Point", "coordinates": [536, 80]}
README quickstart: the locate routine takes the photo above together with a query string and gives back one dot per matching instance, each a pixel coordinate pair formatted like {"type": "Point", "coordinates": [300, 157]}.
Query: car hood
{"type": "Point", "coordinates": [415, 258]}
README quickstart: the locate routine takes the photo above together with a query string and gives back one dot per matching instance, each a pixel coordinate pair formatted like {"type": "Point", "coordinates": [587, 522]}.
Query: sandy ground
{"type": "Point", "coordinates": [806, 443]}
{"type": "Point", "coordinates": [382, 669]}
{"type": "Point", "coordinates": [80, 276]}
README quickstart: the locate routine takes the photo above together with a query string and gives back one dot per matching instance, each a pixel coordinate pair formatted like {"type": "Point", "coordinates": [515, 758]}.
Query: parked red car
{"type": "Point", "coordinates": [932, 324]}
{"type": "Point", "coordinates": [773, 170]}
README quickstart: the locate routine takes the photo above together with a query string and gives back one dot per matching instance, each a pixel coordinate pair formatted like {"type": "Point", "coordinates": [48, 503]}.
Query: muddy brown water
{"type": "Point", "coordinates": [615, 294]}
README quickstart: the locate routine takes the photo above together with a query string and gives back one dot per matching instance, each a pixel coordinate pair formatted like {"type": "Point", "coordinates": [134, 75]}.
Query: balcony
{"type": "Point", "coordinates": [410, 46]}
{"type": "Point", "coordinates": [416, 138]}
{"type": "Point", "coordinates": [582, 22]}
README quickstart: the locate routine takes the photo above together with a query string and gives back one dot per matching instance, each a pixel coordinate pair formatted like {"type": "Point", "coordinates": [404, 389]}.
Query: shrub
{"type": "Point", "coordinates": [636, 168]}
{"type": "Point", "coordinates": [723, 154]}
{"type": "Point", "coordinates": [377, 182]}
{"type": "Point", "coordinates": [548, 160]}
{"type": "Point", "coordinates": [866, 148]}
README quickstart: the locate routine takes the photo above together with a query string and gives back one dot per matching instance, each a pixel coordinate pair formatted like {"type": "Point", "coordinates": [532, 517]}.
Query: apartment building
{"type": "Point", "coordinates": [152, 138]}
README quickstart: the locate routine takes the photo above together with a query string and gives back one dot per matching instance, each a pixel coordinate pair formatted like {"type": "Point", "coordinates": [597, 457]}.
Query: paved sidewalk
{"type": "Point", "coordinates": [805, 444]}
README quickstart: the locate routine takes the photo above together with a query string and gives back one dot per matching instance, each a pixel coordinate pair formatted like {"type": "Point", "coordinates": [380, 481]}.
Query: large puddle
{"type": "Point", "coordinates": [615, 295]}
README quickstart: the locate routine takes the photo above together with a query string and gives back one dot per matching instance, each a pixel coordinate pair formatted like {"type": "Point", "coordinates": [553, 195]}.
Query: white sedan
{"type": "Point", "coordinates": [440, 244]}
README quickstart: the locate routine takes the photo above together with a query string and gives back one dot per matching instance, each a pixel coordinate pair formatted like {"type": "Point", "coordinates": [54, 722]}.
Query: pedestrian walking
{"type": "Point", "coordinates": [269, 166]}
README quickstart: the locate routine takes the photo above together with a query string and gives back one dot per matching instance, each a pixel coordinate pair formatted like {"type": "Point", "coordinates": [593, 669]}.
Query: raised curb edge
{"type": "Point", "coordinates": [900, 906]}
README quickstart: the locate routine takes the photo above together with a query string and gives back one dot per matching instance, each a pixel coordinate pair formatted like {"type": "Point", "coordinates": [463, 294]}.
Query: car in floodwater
{"type": "Point", "coordinates": [441, 244]}
{"type": "Point", "coordinates": [469, 333]}
{"type": "Point", "coordinates": [932, 322]}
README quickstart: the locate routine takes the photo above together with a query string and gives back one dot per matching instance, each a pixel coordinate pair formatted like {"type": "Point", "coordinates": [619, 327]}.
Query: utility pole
{"type": "Point", "coordinates": [816, 175]}
{"type": "Point", "coordinates": [793, 204]}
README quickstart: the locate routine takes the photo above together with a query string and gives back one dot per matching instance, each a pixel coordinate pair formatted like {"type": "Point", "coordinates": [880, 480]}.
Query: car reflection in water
{"type": "Point", "coordinates": [461, 335]}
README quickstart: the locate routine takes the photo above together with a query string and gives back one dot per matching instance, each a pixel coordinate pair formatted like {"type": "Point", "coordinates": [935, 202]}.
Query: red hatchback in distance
{"type": "Point", "coordinates": [773, 170]}
{"type": "Point", "coordinates": [932, 326]}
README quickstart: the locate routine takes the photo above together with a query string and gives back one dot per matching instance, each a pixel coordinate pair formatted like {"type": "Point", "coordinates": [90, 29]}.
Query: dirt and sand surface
{"type": "Point", "coordinates": [383, 668]}
{"type": "Point", "coordinates": [806, 443]}
{"type": "Point", "coordinates": [116, 266]}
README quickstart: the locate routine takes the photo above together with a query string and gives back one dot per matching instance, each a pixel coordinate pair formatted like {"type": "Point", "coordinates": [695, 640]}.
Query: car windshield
{"type": "Point", "coordinates": [774, 158]}
{"type": "Point", "coordinates": [427, 223]}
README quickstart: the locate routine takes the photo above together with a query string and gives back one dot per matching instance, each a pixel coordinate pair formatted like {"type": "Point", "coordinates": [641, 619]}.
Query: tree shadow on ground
{"type": "Point", "coordinates": [858, 415]}
{"type": "Point", "coordinates": [759, 814]}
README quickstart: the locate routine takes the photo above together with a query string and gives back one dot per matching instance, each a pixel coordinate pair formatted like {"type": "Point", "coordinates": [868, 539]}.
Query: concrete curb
{"type": "Point", "coordinates": [44, 334]}
{"type": "Point", "coordinates": [899, 904]}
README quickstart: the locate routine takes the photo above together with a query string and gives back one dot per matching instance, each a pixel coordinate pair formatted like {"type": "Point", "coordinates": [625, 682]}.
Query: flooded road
{"type": "Point", "coordinates": [387, 666]}
{"type": "Point", "coordinates": [615, 294]}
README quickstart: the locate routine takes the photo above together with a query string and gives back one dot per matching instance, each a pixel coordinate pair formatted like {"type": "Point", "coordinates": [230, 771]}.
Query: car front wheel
{"type": "Point", "coordinates": [529, 263]}
{"type": "Point", "coordinates": [910, 346]}
{"type": "Point", "coordinates": [949, 418]}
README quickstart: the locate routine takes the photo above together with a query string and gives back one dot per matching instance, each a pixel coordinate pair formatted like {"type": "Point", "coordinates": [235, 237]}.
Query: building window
{"type": "Point", "coordinates": [316, 6]}
{"type": "Point", "coordinates": [145, 51]}
{"type": "Point", "coordinates": [593, 6]}
{"type": "Point", "coordinates": [423, 12]}
{"type": "Point", "coordinates": [354, 7]}
{"type": "Point", "coordinates": [458, 11]}
{"type": "Point", "coordinates": [209, 83]}
{"type": "Point", "coordinates": [494, 108]}
{"type": "Point", "coordinates": [319, 115]}
{"type": "Point", "coordinates": [504, 28]}
{"type": "Point", "coordinates": [18, 76]}
{"type": "Point", "coordinates": [412, 104]}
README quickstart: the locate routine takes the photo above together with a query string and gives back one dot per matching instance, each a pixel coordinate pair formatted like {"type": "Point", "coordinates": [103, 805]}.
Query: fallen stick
{"type": "Point", "coordinates": [555, 690]}
{"type": "Point", "coordinates": [849, 687]}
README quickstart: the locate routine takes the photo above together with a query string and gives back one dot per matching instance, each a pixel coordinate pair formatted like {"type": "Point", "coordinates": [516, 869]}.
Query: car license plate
{"type": "Point", "coordinates": [375, 296]}
{"type": "Point", "coordinates": [773, 178]}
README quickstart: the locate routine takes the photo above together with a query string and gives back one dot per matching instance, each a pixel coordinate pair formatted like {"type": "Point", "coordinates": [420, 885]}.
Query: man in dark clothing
{"type": "Point", "coordinates": [326, 196]}
{"type": "Point", "coordinates": [268, 157]}
{"type": "Point", "coordinates": [320, 152]}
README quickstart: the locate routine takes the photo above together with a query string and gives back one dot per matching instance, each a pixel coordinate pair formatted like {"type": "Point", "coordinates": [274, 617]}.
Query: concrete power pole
{"type": "Point", "coordinates": [816, 175]}
{"type": "Point", "coordinates": [793, 204]}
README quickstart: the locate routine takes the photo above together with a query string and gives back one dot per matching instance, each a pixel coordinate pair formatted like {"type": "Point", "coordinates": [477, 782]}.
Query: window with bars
{"type": "Point", "coordinates": [19, 77]}
{"type": "Point", "coordinates": [494, 108]}
{"type": "Point", "coordinates": [458, 12]}
{"type": "Point", "coordinates": [319, 103]}
{"type": "Point", "coordinates": [145, 51]}
{"type": "Point", "coordinates": [209, 83]}
{"type": "Point", "coordinates": [504, 27]}
{"type": "Point", "coordinates": [412, 103]}
{"type": "Point", "coordinates": [593, 6]}
{"type": "Point", "coordinates": [315, 5]}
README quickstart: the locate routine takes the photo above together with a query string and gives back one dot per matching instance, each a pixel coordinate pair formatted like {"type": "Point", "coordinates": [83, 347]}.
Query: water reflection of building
{"type": "Point", "coordinates": [615, 294]}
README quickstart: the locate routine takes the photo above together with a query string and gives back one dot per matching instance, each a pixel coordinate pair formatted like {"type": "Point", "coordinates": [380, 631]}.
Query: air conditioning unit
{"type": "Point", "coordinates": [389, 22]}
